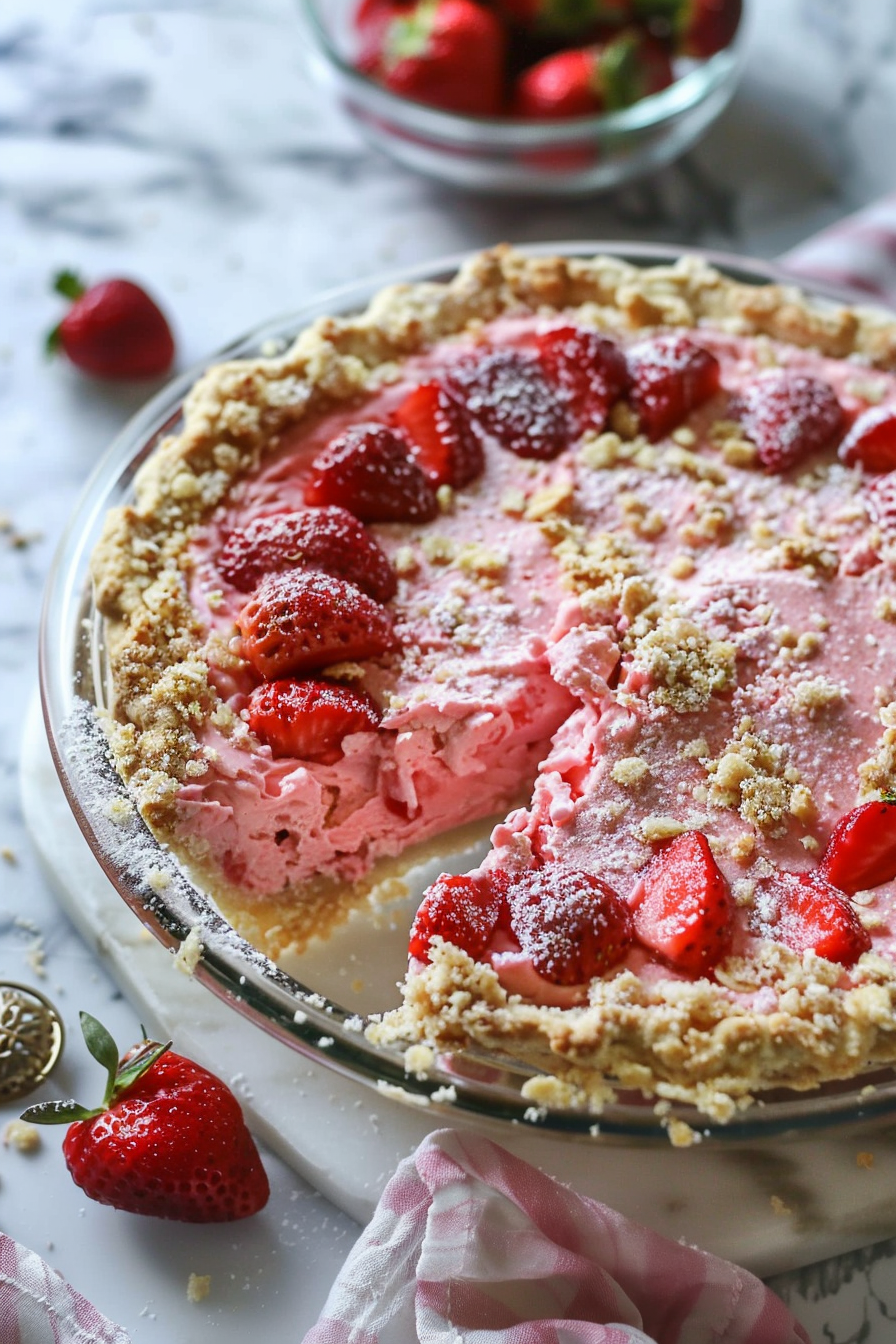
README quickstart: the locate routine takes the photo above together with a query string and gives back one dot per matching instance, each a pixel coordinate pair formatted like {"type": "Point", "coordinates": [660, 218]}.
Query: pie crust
{"type": "Point", "coordinates": [702, 1040]}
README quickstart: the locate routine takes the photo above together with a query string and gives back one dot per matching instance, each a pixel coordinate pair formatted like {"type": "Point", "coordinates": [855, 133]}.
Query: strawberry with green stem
{"type": "Point", "coordinates": [112, 330]}
{"type": "Point", "coordinates": [448, 53]}
{"type": "Point", "coordinates": [587, 80]}
{"type": "Point", "coordinates": [168, 1138]}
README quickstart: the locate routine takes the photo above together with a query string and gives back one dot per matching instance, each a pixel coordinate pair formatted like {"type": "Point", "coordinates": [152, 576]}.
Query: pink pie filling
{"type": "Point", "coordinates": [510, 684]}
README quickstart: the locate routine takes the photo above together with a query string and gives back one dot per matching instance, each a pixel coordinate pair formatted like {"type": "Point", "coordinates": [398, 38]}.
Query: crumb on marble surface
{"type": "Point", "coordinates": [198, 1287]}
{"type": "Point", "coordinates": [22, 1136]}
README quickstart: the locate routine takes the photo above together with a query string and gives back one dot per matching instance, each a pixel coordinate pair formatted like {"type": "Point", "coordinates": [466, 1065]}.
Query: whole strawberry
{"type": "Point", "coordinates": [112, 330]}
{"type": "Point", "coordinates": [169, 1139]}
{"type": "Point", "coordinates": [449, 53]}
{"type": "Point", "coordinates": [586, 80]}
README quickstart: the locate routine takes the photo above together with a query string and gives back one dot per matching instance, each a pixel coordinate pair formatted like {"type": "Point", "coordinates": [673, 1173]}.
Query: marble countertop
{"type": "Point", "coordinates": [182, 142]}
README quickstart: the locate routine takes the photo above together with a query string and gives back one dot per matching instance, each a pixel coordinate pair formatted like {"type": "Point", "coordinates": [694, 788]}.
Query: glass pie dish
{"type": "Point", "coordinates": [307, 1004]}
{"type": "Point", "coordinates": [506, 156]}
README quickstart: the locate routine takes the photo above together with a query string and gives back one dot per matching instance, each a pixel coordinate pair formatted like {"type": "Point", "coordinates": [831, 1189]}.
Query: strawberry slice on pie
{"type": "Point", "coordinates": [328, 539]}
{"type": "Point", "coordinates": [368, 471]}
{"type": "Point", "coordinates": [670, 376]}
{"type": "Point", "coordinates": [861, 853]}
{"type": "Point", "coordinates": [805, 913]}
{"type": "Point", "coordinates": [871, 443]}
{"type": "Point", "coordinates": [441, 435]}
{"type": "Point", "coordinates": [309, 719]}
{"type": "Point", "coordinates": [299, 622]}
{"type": "Point", "coordinates": [590, 369]}
{"type": "Point", "coordinates": [788, 416]}
{"type": "Point", "coordinates": [682, 906]}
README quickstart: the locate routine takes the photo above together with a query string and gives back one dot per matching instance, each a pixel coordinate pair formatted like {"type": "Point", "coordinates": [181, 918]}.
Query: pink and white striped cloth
{"type": "Point", "coordinates": [470, 1245]}
{"type": "Point", "coordinates": [857, 253]}
{"type": "Point", "coordinates": [37, 1306]}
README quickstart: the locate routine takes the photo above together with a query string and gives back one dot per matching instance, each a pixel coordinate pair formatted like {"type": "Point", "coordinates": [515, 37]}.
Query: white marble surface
{"type": "Point", "coordinates": [181, 143]}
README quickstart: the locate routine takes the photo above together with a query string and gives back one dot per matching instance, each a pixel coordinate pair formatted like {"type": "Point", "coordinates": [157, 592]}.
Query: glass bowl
{"type": "Point", "coordinates": [501, 156]}
{"type": "Point", "coordinates": [305, 1005]}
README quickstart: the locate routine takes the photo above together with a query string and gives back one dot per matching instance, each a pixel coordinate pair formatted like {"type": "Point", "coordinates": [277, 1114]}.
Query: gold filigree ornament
{"type": "Point", "coordinates": [31, 1039]}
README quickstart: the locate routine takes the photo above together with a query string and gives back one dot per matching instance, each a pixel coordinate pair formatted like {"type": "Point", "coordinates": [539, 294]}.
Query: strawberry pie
{"type": "Point", "coordinates": [597, 560]}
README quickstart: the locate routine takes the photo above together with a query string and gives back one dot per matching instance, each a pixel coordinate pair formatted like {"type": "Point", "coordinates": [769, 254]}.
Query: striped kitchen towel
{"type": "Point", "coordinates": [471, 1245]}
{"type": "Point", "coordinates": [37, 1306]}
{"type": "Point", "coordinates": [857, 253]}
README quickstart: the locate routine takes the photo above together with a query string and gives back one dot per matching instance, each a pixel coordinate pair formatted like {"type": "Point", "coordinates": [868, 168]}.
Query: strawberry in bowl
{"type": "Point", "coordinates": [527, 96]}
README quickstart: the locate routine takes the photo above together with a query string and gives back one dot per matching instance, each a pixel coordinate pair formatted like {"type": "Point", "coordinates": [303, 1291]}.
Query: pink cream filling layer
{"type": "Point", "coordinates": [507, 682]}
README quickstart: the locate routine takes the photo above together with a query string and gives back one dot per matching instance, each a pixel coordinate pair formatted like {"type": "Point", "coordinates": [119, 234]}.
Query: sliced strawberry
{"type": "Point", "coordinates": [670, 377]}
{"type": "Point", "coordinates": [788, 416]}
{"type": "Point", "coordinates": [464, 911]}
{"type": "Point", "coordinates": [806, 913]}
{"type": "Point", "coordinates": [330, 539]}
{"type": "Point", "coordinates": [683, 909]}
{"type": "Point", "coordinates": [590, 369]}
{"type": "Point", "coordinates": [861, 853]}
{"type": "Point", "coordinates": [871, 443]}
{"type": "Point", "coordinates": [309, 719]}
{"type": "Point", "coordinates": [367, 470]}
{"type": "Point", "coordinates": [880, 501]}
{"type": "Point", "coordinates": [571, 924]}
{"type": "Point", "coordinates": [507, 394]}
{"type": "Point", "coordinates": [442, 438]}
{"type": "Point", "coordinates": [300, 622]}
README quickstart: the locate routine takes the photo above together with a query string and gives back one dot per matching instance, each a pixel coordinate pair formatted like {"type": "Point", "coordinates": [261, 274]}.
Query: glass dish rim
{"type": "Point", "coordinates": [652, 112]}
{"type": "Point", "coordinates": [257, 988]}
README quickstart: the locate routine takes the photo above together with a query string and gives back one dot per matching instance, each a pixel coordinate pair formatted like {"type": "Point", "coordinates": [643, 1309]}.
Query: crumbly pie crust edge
{"type": "Point", "coordinates": [682, 1041]}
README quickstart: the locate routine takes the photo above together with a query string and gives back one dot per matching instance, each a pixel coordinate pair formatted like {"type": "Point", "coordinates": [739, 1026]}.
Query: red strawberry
{"type": "Point", "coordinates": [330, 539]}
{"type": "Point", "coordinates": [507, 394]}
{"type": "Point", "coordinates": [449, 53]}
{"type": "Point", "coordinates": [589, 368]}
{"type": "Point", "coordinates": [566, 84]}
{"type": "Point", "coordinates": [880, 501]}
{"type": "Point", "coordinates": [805, 913]}
{"type": "Point", "coordinates": [682, 906]}
{"type": "Point", "coordinates": [788, 416]}
{"type": "Point", "coordinates": [309, 719]}
{"type": "Point", "coordinates": [565, 18]}
{"type": "Point", "coordinates": [702, 27]}
{"type": "Point", "coordinates": [464, 911]}
{"type": "Point", "coordinates": [861, 853]}
{"type": "Point", "coordinates": [169, 1139]}
{"type": "Point", "coordinates": [571, 924]}
{"type": "Point", "coordinates": [370, 21]}
{"type": "Point", "coordinates": [112, 330]}
{"type": "Point", "coordinates": [670, 377]}
{"type": "Point", "coordinates": [441, 435]}
{"type": "Point", "coordinates": [871, 443]}
{"type": "Point", "coordinates": [367, 470]}
{"type": "Point", "coordinates": [299, 622]}
{"type": "Point", "coordinates": [594, 79]}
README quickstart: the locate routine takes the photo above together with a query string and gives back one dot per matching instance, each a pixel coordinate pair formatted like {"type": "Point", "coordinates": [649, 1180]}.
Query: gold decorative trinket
{"type": "Point", "coordinates": [31, 1038]}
